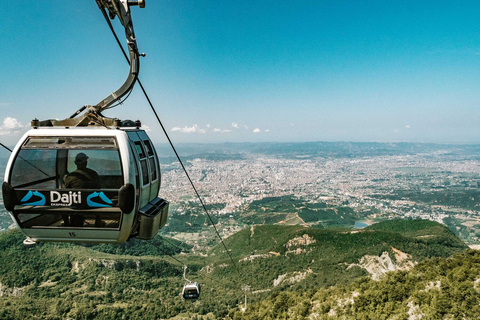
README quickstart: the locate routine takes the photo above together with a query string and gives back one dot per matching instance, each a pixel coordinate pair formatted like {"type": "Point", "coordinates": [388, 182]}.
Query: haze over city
{"type": "Point", "coordinates": [254, 70]}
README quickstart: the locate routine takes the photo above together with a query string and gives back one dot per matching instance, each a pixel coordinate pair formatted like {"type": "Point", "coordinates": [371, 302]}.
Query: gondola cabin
{"type": "Point", "coordinates": [191, 291]}
{"type": "Point", "coordinates": [52, 197]}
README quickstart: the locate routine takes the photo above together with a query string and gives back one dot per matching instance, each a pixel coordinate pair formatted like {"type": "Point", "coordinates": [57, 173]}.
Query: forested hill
{"type": "Point", "coordinates": [439, 288]}
{"type": "Point", "coordinates": [139, 280]}
{"type": "Point", "coordinates": [299, 258]}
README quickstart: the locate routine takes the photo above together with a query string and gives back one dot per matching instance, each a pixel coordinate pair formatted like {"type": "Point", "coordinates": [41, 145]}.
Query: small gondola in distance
{"type": "Point", "coordinates": [191, 291]}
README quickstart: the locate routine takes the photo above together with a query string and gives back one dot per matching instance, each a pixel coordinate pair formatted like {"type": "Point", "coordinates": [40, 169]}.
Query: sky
{"type": "Point", "coordinates": [253, 71]}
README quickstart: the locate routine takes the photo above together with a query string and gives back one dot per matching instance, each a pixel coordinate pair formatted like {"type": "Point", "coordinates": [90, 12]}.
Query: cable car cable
{"type": "Point", "coordinates": [26, 161]}
{"type": "Point", "coordinates": [173, 147]}
{"type": "Point", "coordinates": [205, 265]}
{"type": "Point", "coordinates": [190, 180]}
{"type": "Point", "coordinates": [169, 255]}
{"type": "Point", "coordinates": [6, 147]}
{"type": "Point", "coordinates": [180, 262]}
{"type": "Point", "coordinates": [120, 101]}
{"type": "Point", "coordinates": [169, 240]}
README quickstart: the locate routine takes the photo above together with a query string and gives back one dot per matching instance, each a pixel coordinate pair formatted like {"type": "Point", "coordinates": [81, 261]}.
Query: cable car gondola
{"type": "Point", "coordinates": [88, 178]}
{"type": "Point", "coordinates": [125, 203]}
{"type": "Point", "coordinates": [191, 290]}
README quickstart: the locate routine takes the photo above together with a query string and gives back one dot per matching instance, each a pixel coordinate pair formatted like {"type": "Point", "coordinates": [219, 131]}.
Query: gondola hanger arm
{"type": "Point", "coordinates": [121, 9]}
{"type": "Point", "coordinates": [185, 274]}
{"type": "Point", "coordinates": [93, 114]}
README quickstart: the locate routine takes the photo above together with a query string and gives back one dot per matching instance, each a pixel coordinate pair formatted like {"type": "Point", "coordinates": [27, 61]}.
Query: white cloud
{"type": "Point", "coordinates": [408, 126]}
{"type": "Point", "coordinates": [196, 129]}
{"type": "Point", "coordinates": [267, 130]}
{"type": "Point", "coordinates": [146, 128]}
{"type": "Point", "coordinates": [235, 125]}
{"type": "Point", "coordinates": [246, 127]}
{"type": "Point", "coordinates": [11, 123]}
{"type": "Point", "coordinates": [256, 130]}
{"type": "Point", "coordinates": [10, 126]}
{"type": "Point", "coordinates": [186, 129]}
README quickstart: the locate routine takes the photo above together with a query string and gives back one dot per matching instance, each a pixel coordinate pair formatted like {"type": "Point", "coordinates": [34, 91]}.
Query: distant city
{"type": "Point", "coordinates": [379, 181]}
{"type": "Point", "coordinates": [374, 181]}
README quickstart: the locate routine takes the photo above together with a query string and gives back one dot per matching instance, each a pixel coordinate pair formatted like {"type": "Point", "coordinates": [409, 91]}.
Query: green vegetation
{"type": "Point", "coordinates": [158, 246]}
{"type": "Point", "coordinates": [272, 210]}
{"type": "Point", "coordinates": [139, 280]}
{"type": "Point", "coordinates": [190, 218]}
{"type": "Point", "coordinates": [5, 219]}
{"type": "Point", "coordinates": [425, 229]}
{"type": "Point", "coordinates": [59, 281]}
{"type": "Point", "coordinates": [455, 197]}
{"type": "Point", "coordinates": [434, 289]}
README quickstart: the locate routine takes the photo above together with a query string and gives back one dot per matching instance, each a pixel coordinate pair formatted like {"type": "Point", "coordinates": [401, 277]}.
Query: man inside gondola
{"type": "Point", "coordinates": [82, 178]}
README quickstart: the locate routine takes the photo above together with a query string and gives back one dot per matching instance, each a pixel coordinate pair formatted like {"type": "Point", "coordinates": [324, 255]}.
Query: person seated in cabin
{"type": "Point", "coordinates": [82, 178]}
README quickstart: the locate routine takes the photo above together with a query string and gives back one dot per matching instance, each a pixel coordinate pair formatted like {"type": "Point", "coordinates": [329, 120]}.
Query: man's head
{"type": "Point", "coordinates": [81, 159]}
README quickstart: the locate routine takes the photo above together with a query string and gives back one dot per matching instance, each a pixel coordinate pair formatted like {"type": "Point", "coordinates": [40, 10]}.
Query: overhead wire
{"type": "Point", "coordinates": [173, 147]}
{"type": "Point", "coordinates": [177, 260]}
{"type": "Point", "coordinates": [26, 160]}
{"type": "Point", "coordinates": [164, 238]}
{"type": "Point", "coordinates": [171, 256]}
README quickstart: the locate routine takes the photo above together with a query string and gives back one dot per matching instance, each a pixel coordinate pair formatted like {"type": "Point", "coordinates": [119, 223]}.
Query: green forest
{"type": "Point", "coordinates": [292, 271]}
{"type": "Point", "coordinates": [438, 288]}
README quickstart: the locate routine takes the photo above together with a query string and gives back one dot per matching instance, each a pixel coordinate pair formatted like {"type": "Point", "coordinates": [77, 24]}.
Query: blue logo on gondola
{"type": "Point", "coordinates": [102, 196]}
{"type": "Point", "coordinates": [34, 201]}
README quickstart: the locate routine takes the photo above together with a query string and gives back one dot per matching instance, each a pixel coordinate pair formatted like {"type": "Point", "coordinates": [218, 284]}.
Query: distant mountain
{"type": "Point", "coordinates": [235, 151]}
{"type": "Point", "coordinates": [140, 279]}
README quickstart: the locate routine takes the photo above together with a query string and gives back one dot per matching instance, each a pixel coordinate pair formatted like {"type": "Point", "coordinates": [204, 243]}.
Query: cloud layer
{"type": "Point", "coordinates": [209, 128]}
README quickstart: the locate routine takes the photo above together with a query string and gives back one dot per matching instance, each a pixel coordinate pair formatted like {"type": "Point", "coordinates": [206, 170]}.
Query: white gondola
{"type": "Point", "coordinates": [125, 204]}
{"type": "Point", "coordinates": [191, 291]}
{"type": "Point", "coordinates": [122, 203]}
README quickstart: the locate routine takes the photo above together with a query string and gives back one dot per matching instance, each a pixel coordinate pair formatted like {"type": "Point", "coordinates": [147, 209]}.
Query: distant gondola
{"type": "Point", "coordinates": [191, 291]}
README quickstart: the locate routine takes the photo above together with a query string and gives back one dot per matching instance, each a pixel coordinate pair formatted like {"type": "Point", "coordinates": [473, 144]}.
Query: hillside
{"type": "Point", "coordinates": [326, 257]}
{"type": "Point", "coordinates": [138, 280]}
{"type": "Point", "coordinates": [434, 289]}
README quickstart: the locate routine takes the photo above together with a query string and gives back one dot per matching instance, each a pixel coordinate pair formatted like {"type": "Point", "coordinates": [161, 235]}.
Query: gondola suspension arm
{"type": "Point", "coordinates": [93, 114]}
{"type": "Point", "coordinates": [185, 274]}
{"type": "Point", "coordinates": [121, 9]}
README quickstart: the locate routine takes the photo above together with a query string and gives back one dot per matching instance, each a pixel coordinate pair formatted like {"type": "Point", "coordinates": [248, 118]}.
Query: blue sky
{"type": "Point", "coordinates": [254, 71]}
